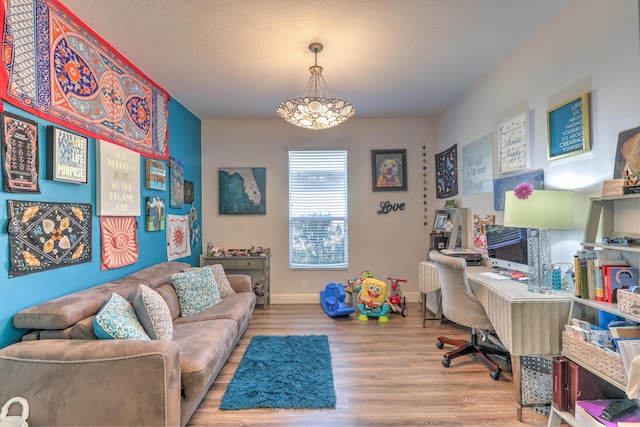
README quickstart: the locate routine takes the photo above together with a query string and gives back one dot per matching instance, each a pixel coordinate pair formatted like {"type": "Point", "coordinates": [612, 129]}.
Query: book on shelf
{"type": "Point", "coordinates": [588, 414]}
{"type": "Point", "coordinates": [610, 285]}
{"type": "Point", "coordinates": [622, 277]}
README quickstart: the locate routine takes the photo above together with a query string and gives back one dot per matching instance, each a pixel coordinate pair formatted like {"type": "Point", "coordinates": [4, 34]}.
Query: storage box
{"type": "Point", "coordinates": [595, 358]}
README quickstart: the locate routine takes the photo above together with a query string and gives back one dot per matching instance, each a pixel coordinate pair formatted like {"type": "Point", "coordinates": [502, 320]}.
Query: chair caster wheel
{"type": "Point", "coordinates": [439, 344]}
{"type": "Point", "coordinates": [494, 375]}
{"type": "Point", "coordinates": [446, 363]}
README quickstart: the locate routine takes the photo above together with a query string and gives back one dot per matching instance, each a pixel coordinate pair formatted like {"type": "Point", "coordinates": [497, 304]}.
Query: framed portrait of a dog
{"type": "Point", "coordinates": [389, 170]}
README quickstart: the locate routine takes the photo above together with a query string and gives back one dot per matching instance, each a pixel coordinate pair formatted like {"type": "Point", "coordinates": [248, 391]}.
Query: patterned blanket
{"type": "Point", "coordinates": [55, 67]}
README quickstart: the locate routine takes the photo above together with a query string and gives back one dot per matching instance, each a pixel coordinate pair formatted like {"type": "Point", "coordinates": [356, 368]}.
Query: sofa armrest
{"type": "Point", "coordinates": [240, 282]}
{"type": "Point", "coordinates": [94, 382]}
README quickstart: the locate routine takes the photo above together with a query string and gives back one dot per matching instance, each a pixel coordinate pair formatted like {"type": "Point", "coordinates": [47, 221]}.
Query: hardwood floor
{"type": "Point", "coordinates": [384, 375]}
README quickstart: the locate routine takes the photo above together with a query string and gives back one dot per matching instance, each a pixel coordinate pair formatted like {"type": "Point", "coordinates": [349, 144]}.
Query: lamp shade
{"type": "Point", "coordinates": [543, 209]}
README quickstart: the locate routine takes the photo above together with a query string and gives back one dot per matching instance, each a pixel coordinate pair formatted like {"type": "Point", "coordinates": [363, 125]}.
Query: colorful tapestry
{"type": "Point", "coordinates": [47, 235]}
{"type": "Point", "coordinates": [178, 237]}
{"type": "Point", "coordinates": [119, 241]}
{"type": "Point", "coordinates": [447, 173]}
{"type": "Point", "coordinates": [20, 154]}
{"type": "Point", "coordinates": [57, 68]}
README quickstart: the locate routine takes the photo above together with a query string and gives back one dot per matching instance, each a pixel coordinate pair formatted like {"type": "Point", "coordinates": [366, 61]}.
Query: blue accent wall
{"type": "Point", "coordinates": [22, 292]}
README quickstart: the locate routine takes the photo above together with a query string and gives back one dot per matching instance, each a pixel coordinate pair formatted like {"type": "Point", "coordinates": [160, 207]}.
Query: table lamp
{"type": "Point", "coordinates": [540, 211]}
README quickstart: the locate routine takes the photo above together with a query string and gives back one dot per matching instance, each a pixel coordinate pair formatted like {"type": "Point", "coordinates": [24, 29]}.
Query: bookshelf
{"type": "Point", "coordinates": [457, 234]}
{"type": "Point", "coordinates": [611, 216]}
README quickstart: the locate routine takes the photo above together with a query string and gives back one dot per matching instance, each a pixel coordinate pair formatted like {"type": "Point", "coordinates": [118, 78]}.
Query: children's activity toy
{"type": "Point", "coordinates": [396, 298]}
{"type": "Point", "coordinates": [372, 300]}
{"type": "Point", "coordinates": [332, 300]}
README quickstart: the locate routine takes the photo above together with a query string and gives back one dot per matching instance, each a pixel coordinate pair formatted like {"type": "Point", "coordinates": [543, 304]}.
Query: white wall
{"type": "Point", "coordinates": [391, 244]}
{"type": "Point", "coordinates": [592, 46]}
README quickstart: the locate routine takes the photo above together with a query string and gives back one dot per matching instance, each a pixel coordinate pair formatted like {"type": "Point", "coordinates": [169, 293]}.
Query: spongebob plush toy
{"type": "Point", "coordinates": [372, 300]}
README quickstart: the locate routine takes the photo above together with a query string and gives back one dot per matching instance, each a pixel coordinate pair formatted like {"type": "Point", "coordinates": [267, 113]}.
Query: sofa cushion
{"type": "Point", "coordinates": [237, 307]}
{"type": "Point", "coordinates": [153, 313]}
{"type": "Point", "coordinates": [158, 274]}
{"type": "Point", "coordinates": [170, 296]}
{"type": "Point", "coordinates": [204, 349]}
{"type": "Point", "coordinates": [117, 320]}
{"type": "Point", "coordinates": [65, 311]}
{"type": "Point", "coordinates": [196, 289]}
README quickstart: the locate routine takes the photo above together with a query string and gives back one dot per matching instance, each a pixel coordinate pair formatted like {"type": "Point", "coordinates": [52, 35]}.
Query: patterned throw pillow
{"type": "Point", "coordinates": [153, 313]}
{"type": "Point", "coordinates": [117, 320]}
{"type": "Point", "coordinates": [221, 279]}
{"type": "Point", "coordinates": [197, 289]}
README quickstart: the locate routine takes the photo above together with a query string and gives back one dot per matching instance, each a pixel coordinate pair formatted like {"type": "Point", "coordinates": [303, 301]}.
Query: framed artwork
{"type": "Point", "coordinates": [156, 174]}
{"type": "Point", "coordinates": [47, 235]}
{"type": "Point", "coordinates": [242, 191]}
{"type": "Point", "coordinates": [514, 144]}
{"type": "Point", "coordinates": [177, 183]}
{"type": "Point", "coordinates": [480, 223]}
{"type": "Point", "coordinates": [20, 162]}
{"type": "Point", "coordinates": [568, 127]}
{"type": "Point", "coordinates": [441, 221]}
{"type": "Point", "coordinates": [447, 173]}
{"type": "Point", "coordinates": [119, 241]}
{"type": "Point", "coordinates": [66, 156]}
{"type": "Point", "coordinates": [627, 163]}
{"type": "Point", "coordinates": [188, 192]}
{"type": "Point", "coordinates": [118, 180]}
{"type": "Point", "coordinates": [155, 211]}
{"type": "Point", "coordinates": [502, 185]}
{"type": "Point", "coordinates": [389, 170]}
{"type": "Point", "coordinates": [178, 237]}
{"type": "Point", "coordinates": [477, 166]}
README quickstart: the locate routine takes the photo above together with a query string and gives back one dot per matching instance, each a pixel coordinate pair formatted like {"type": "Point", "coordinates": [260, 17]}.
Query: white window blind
{"type": "Point", "coordinates": [318, 218]}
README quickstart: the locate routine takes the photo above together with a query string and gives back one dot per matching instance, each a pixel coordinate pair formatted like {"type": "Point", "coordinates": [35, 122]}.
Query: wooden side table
{"type": "Point", "coordinates": [255, 266]}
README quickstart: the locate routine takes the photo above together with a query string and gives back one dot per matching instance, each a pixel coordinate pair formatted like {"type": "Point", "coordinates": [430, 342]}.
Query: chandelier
{"type": "Point", "coordinates": [317, 109]}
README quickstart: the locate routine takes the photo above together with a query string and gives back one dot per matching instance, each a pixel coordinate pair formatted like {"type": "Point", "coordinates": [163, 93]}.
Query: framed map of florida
{"type": "Point", "coordinates": [242, 191]}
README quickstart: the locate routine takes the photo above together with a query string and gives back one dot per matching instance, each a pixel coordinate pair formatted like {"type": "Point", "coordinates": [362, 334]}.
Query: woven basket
{"type": "Point", "coordinates": [628, 302]}
{"type": "Point", "coordinates": [594, 358]}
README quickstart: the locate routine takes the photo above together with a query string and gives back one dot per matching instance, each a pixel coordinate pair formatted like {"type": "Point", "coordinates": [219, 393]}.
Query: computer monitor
{"type": "Point", "coordinates": [507, 247]}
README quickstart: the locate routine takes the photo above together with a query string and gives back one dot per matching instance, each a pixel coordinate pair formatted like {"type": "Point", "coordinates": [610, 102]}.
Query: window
{"type": "Point", "coordinates": [318, 237]}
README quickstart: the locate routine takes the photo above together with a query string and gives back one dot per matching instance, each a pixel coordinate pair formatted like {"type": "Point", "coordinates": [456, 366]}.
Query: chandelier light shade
{"type": "Point", "coordinates": [317, 109]}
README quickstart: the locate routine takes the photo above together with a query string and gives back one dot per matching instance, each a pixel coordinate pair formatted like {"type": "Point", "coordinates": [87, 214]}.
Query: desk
{"type": "Point", "coordinates": [527, 323]}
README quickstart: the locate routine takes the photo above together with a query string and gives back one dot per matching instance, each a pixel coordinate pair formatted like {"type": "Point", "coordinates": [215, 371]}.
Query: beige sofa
{"type": "Point", "coordinates": [71, 378]}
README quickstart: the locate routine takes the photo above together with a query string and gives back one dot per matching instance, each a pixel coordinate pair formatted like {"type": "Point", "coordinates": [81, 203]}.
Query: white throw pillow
{"type": "Point", "coordinates": [153, 313]}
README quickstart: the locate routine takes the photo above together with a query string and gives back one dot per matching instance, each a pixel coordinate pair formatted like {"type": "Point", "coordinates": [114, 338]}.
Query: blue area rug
{"type": "Point", "coordinates": [292, 371]}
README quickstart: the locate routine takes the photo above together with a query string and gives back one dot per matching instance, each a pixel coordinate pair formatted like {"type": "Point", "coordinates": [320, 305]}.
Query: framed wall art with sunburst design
{"type": "Point", "coordinates": [178, 237]}
{"type": "Point", "coordinates": [119, 241]}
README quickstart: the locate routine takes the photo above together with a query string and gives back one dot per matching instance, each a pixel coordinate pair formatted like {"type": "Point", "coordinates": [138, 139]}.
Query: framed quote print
{"type": "Point", "coordinates": [66, 156]}
{"type": "Point", "coordinates": [514, 144]}
{"type": "Point", "coordinates": [569, 128]}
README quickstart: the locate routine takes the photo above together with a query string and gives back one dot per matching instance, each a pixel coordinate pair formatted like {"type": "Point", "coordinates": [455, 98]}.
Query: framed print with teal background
{"type": "Point", "coordinates": [242, 191]}
{"type": "Point", "coordinates": [568, 128]}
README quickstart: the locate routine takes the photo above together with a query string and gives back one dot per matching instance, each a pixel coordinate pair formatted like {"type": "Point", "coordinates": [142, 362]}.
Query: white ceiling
{"type": "Point", "coordinates": [241, 58]}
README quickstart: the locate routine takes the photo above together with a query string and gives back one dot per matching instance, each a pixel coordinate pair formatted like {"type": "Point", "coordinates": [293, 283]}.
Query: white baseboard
{"type": "Point", "coordinates": [315, 298]}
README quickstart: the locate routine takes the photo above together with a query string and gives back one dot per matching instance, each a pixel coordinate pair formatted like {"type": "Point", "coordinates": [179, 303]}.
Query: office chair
{"type": "Point", "coordinates": [461, 306]}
